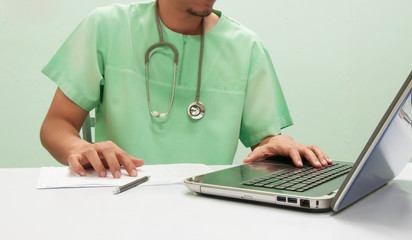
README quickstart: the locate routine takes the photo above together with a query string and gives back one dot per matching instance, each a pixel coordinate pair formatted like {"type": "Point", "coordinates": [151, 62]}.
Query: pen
{"type": "Point", "coordinates": [132, 184]}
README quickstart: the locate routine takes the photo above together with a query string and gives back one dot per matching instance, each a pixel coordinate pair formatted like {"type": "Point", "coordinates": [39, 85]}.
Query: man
{"type": "Point", "coordinates": [102, 66]}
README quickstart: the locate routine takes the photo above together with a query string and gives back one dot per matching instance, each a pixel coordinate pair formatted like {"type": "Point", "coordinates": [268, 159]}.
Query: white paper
{"type": "Point", "coordinates": [65, 177]}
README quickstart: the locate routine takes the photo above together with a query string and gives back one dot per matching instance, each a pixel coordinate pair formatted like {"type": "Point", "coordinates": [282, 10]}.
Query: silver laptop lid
{"type": "Point", "coordinates": [386, 153]}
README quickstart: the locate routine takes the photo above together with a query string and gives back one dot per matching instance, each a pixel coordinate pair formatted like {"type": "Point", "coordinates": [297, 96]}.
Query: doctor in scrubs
{"type": "Point", "coordinates": [171, 81]}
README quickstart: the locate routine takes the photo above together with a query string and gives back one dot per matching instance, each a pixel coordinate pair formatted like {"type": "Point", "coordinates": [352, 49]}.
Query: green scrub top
{"type": "Point", "coordinates": [101, 66]}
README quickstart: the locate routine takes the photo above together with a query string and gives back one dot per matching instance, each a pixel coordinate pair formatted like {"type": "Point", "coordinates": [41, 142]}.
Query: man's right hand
{"type": "Point", "coordinates": [102, 155]}
{"type": "Point", "coordinates": [59, 134]}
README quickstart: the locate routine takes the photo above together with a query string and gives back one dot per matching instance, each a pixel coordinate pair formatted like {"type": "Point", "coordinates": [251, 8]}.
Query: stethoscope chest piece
{"type": "Point", "coordinates": [196, 110]}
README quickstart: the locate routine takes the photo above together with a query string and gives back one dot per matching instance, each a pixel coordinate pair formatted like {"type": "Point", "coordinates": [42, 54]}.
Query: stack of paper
{"type": "Point", "coordinates": [65, 177]}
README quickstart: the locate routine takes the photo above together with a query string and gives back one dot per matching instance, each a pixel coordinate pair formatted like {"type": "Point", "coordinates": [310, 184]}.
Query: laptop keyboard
{"type": "Point", "coordinates": [300, 179]}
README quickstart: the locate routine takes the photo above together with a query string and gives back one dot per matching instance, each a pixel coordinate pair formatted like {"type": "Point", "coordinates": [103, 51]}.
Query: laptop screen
{"type": "Point", "coordinates": [389, 155]}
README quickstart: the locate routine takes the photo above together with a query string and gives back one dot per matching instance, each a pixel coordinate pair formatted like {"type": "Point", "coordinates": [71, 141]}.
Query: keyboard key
{"type": "Point", "coordinates": [300, 185]}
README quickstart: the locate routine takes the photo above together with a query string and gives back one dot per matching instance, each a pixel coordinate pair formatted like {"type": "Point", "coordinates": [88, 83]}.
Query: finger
{"type": "Point", "coordinates": [329, 160]}
{"type": "Point", "coordinates": [95, 161]}
{"type": "Point", "coordinates": [112, 162]}
{"type": "Point", "coordinates": [297, 160]}
{"type": "Point", "coordinates": [126, 160]}
{"type": "Point", "coordinates": [257, 154]}
{"type": "Point", "coordinates": [311, 157]}
{"type": "Point", "coordinates": [123, 155]}
{"type": "Point", "coordinates": [138, 162]}
{"type": "Point", "coordinates": [74, 163]}
{"type": "Point", "coordinates": [320, 155]}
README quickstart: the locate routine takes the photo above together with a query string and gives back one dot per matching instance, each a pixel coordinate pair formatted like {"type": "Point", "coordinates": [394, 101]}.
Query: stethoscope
{"type": "Point", "coordinates": [195, 110]}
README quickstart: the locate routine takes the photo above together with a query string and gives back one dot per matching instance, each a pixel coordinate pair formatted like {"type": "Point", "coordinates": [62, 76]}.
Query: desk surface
{"type": "Point", "coordinates": [173, 212]}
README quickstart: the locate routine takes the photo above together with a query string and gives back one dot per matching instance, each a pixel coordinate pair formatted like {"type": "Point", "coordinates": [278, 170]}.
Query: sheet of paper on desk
{"type": "Point", "coordinates": [65, 177]}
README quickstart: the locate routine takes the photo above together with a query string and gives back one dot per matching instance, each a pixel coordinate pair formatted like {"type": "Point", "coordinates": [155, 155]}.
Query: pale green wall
{"type": "Point", "coordinates": [340, 64]}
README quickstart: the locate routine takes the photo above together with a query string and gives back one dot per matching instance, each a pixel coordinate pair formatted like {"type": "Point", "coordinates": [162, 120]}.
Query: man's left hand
{"type": "Point", "coordinates": [283, 145]}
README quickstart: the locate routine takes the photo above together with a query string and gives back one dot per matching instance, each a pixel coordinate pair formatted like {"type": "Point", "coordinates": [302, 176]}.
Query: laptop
{"type": "Point", "coordinates": [277, 181]}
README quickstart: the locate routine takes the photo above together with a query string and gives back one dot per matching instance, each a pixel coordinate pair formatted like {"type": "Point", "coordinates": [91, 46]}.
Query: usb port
{"type": "Point", "coordinates": [281, 199]}
{"type": "Point", "coordinates": [292, 200]}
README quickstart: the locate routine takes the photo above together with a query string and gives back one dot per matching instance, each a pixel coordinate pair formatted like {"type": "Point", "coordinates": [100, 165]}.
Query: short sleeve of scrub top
{"type": "Point", "coordinates": [265, 111]}
{"type": "Point", "coordinates": [101, 66]}
{"type": "Point", "coordinates": [77, 67]}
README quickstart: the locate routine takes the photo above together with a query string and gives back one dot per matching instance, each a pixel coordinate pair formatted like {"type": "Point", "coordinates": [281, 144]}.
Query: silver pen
{"type": "Point", "coordinates": [132, 184]}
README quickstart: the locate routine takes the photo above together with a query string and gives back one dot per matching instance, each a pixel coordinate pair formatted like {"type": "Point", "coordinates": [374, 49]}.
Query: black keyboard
{"type": "Point", "coordinates": [300, 179]}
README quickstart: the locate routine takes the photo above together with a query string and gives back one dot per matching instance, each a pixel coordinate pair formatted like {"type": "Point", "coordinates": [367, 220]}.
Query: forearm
{"type": "Point", "coordinates": [59, 137]}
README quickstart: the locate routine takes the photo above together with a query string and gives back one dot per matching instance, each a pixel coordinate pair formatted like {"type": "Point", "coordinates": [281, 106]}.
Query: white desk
{"type": "Point", "coordinates": [172, 212]}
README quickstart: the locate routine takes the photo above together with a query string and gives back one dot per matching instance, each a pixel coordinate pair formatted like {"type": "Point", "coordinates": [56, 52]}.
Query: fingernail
{"type": "Point", "coordinates": [102, 174]}
{"type": "Point", "coordinates": [82, 174]}
{"type": "Point", "coordinates": [133, 173]}
{"type": "Point", "coordinates": [117, 174]}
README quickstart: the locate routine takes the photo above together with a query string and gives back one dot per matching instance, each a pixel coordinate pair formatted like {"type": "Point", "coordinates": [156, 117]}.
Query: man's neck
{"type": "Point", "coordinates": [178, 20]}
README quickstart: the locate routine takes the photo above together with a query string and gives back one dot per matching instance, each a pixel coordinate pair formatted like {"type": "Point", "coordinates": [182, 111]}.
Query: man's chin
{"type": "Point", "coordinates": [204, 13]}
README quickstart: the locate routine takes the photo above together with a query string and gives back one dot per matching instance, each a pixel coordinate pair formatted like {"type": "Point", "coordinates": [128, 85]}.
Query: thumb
{"type": "Point", "coordinates": [257, 154]}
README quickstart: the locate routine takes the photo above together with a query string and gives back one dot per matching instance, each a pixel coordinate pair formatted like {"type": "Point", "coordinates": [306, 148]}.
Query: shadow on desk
{"type": "Point", "coordinates": [259, 204]}
{"type": "Point", "coordinates": [388, 207]}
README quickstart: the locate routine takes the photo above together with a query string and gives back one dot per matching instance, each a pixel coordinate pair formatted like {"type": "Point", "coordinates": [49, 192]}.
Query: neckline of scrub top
{"type": "Point", "coordinates": [174, 34]}
{"type": "Point", "coordinates": [167, 33]}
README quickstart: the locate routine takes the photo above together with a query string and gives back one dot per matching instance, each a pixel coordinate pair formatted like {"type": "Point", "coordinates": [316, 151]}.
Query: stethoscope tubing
{"type": "Point", "coordinates": [199, 73]}
{"type": "Point", "coordinates": [196, 110]}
